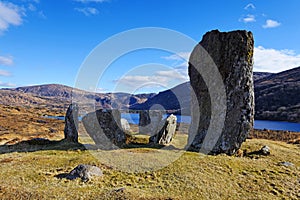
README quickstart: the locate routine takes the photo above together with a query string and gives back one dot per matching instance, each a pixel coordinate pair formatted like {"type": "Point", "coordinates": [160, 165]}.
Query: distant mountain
{"type": "Point", "coordinates": [176, 100]}
{"type": "Point", "coordinates": [259, 75]}
{"type": "Point", "coordinates": [49, 90]}
{"type": "Point", "coordinates": [55, 95]}
{"type": "Point", "coordinates": [277, 97]}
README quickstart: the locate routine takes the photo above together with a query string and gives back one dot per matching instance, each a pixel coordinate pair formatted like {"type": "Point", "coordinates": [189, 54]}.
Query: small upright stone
{"type": "Point", "coordinates": [144, 121]}
{"type": "Point", "coordinates": [149, 121]}
{"type": "Point", "coordinates": [71, 124]}
{"type": "Point", "coordinates": [166, 134]}
{"type": "Point", "coordinates": [125, 125]}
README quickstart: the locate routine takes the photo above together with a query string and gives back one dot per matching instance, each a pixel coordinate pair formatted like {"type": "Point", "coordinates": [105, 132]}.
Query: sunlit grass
{"type": "Point", "coordinates": [139, 170]}
{"type": "Point", "coordinates": [190, 176]}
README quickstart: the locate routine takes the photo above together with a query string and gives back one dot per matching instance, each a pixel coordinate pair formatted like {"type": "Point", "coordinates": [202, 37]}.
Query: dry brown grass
{"type": "Point", "coordinates": [29, 171]}
{"type": "Point", "coordinates": [284, 136]}
{"type": "Point", "coordinates": [19, 123]}
{"type": "Point", "coordinates": [191, 176]}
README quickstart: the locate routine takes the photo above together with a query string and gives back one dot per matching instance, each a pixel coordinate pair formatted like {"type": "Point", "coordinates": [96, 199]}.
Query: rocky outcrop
{"type": "Point", "coordinates": [104, 127]}
{"type": "Point", "coordinates": [166, 134]}
{"type": "Point", "coordinates": [71, 124]}
{"type": "Point", "coordinates": [149, 121]}
{"type": "Point", "coordinates": [228, 56]}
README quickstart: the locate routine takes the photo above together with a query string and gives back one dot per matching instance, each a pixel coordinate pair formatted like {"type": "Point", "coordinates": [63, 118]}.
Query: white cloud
{"type": "Point", "coordinates": [271, 24]}
{"type": "Point", "coordinates": [10, 14]}
{"type": "Point", "coordinates": [170, 74]}
{"type": "Point", "coordinates": [139, 81]}
{"type": "Point", "coordinates": [4, 73]}
{"type": "Point", "coordinates": [250, 6]}
{"type": "Point", "coordinates": [164, 78]}
{"type": "Point", "coordinates": [248, 18]}
{"type": "Point", "coordinates": [179, 56]}
{"type": "Point", "coordinates": [4, 84]}
{"type": "Point", "coordinates": [91, 1]}
{"type": "Point", "coordinates": [100, 90]}
{"type": "Point", "coordinates": [88, 11]}
{"type": "Point", "coordinates": [272, 60]}
{"type": "Point", "coordinates": [31, 7]}
{"type": "Point", "coordinates": [33, 1]}
{"type": "Point", "coordinates": [6, 60]}
{"type": "Point", "coordinates": [181, 63]}
{"type": "Point", "coordinates": [181, 60]}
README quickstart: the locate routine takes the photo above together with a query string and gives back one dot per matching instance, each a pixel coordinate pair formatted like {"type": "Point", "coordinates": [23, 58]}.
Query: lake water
{"type": "Point", "coordinates": [258, 124]}
{"type": "Point", "coordinates": [133, 118]}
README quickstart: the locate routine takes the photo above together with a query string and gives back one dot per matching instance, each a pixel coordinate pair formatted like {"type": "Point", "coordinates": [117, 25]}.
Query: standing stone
{"type": "Point", "coordinates": [71, 124]}
{"type": "Point", "coordinates": [166, 134]}
{"type": "Point", "coordinates": [104, 127]}
{"type": "Point", "coordinates": [125, 125]}
{"type": "Point", "coordinates": [149, 122]}
{"type": "Point", "coordinates": [144, 121]}
{"type": "Point", "coordinates": [232, 54]}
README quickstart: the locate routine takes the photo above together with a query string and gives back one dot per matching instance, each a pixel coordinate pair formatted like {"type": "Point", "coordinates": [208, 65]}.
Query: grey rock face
{"type": "Point", "coordinates": [125, 125]}
{"type": "Point", "coordinates": [232, 54]}
{"type": "Point", "coordinates": [149, 121]}
{"type": "Point", "coordinates": [71, 124]}
{"type": "Point", "coordinates": [85, 172]}
{"type": "Point", "coordinates": [166, 134]}
{"type": "Point", "coordinates": [104, 127]}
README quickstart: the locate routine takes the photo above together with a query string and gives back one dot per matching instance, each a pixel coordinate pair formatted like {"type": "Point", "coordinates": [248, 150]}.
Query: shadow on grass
{"type": "Point", "coordinates": [256, 154]}
{"type": "Point", "coordinates": [39, 144]}
{"type": "Point", "coordinates": [150, 146]}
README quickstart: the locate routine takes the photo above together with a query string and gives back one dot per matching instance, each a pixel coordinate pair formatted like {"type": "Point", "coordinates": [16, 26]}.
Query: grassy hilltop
{"type": "Point", "coordinates": [30, 171]}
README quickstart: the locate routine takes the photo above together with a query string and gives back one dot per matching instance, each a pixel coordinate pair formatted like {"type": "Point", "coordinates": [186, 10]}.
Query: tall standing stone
{"type": "Point", "coordinates": [71, 124]}
{"type": "Point", "coordinates": [232, 54]}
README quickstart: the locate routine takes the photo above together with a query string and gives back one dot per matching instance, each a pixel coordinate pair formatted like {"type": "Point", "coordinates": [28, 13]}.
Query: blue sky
{"type": "Point", "coordinates": [46, 41]}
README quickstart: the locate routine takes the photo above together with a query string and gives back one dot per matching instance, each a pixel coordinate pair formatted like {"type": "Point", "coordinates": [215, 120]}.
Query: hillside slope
{"type": "Point", "coordinates": [176, 99]}
{"type": "Point", "coordinates": [277, 96]}
{"type": "Point", "coordinates": [60, 96]}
